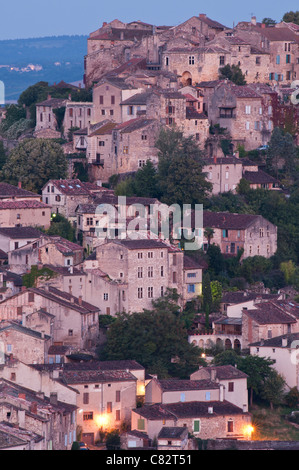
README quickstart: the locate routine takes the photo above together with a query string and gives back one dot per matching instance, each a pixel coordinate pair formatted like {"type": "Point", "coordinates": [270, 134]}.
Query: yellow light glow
{"type": "Point", "coordinates": [102, 420]}
{"type": "Point", "coordinates": [248, 430]}
{"type": "Point", "coordinates": [203, 355]}
{"type": "Point", "coordinates": [141, 390]}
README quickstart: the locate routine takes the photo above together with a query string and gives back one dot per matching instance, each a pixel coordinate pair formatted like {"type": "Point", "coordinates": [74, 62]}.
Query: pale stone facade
{"type": "Point", "coordinates": [77, 115]}
{"type": "Point", "coordinates": [223, 173]}
{"type": "Point", "coordinates": [25, 213]}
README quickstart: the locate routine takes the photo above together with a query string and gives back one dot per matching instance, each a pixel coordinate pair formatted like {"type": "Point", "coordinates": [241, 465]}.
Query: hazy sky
{"type": "Point", "coordinates": [38, 18]}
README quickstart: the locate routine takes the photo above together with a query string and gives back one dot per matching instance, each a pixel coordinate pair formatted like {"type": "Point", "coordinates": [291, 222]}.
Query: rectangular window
{"type": "Point", "coordinates": [140, 293]}
{"type": "Point", "coordinates": [140, 272]}
{"type": "Point", "coordinates": [105, 296]}
{"type": "Point", "coordinates": [162, 271]}
{"type": "Point", "coordinates": [31, 297]}
{"type": "Point", "coordinates": [278, 59]}
{"type": "Point", "coordinates": [208, 396]}
{"type": "Point", "coordinates": [288, 59]}
{"type": "Point", "coordinates": [225, 233]}
{"type": "Point", "coordinates": [88, 416]}
{"type": "Point", "coordinates": [222, 60]}
{"type": "Point", "coordinates": [196, 425]}
{"type": "Point", "coordinates": [191, 288]}
{"type": "Point", "coordinates": [150, 271]}
{"type": "Point", "coordinates": [109, 407]}
{"type": "Point", "coordinates": [117, 396]}
{"type": "Point", "coordinates": [117, 415]}
{"type": "Point", "coordinates": [85, 398]}
{"type": "Point", "coordinates": [191, 60]}
{"type": "Point", "coordinates": [101, 99]}
{"type": "Point", "coordinates": [247, 109]}
{"type": "Point", "coordinates": [230, 386]}
{"type": "Point", "coordinates": [230, 426]}
{"type": "Point", "coordinates": [174, 279]}
{"type": "Point", "coordinates": [150, 292]}
{"type": "Point", "coordinates": [112, 99]}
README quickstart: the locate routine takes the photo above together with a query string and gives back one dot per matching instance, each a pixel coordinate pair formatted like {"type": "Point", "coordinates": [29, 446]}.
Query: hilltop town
{"type": "Point", "coordinates": [123, 326]}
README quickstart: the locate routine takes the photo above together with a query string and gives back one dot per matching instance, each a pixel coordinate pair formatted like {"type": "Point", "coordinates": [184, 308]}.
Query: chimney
{"type": "Point", "coordinates": [53, 398]}
{"type": "Point", "coordinates": [215, 159]}
{"type": "Point", "coordinates": [202, 15]}
{"type": "Point", "coordinates": [49, 96]}
{"type": "Point", "coordinates": [210, 410]}
{"type": "Point", "coordinates": [80, 299]}
{"type": "Point", "coordinates": [263, 26]}
{"type": "Point", "coordinates": [213, 375]}
{"type": "Point", "coordinates": [21, 418]}
{"type": "Point", "coordinates": [22, 396]}
{"type": "Point", "coordinates": [20, 184]}
{"type": "Point", "coordinates": [253, 20]}
{"type": "Point", "coordinates": [104, 24]}
{"type": "Point", "coordinates": [284, 342]}
{"type": "Point", "coordinates": [221, 396]}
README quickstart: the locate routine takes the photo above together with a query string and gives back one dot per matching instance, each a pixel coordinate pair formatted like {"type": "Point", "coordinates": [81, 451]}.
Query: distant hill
{"type": "Point", "coordinates": [24, 62]}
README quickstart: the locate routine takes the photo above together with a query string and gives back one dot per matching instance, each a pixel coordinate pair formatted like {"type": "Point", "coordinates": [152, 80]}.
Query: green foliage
{"type": "Point", "coordinates": [113, 440]}
{"type": "Point", "coordinates": [227, 358]}
{"type": "Point", "coordinates": [105, 321]}
{"type": "Point", "coordinates": [13, 114]}
{"type": "Point", "coordinates": [3, 155]}
{"type": "Point", "coordinates": [273, 388]}
{"type": "Point", "coordinates": [29, 279]}
{"type": "Point", "coordinates": [59, 114]}
{"type": "Point", "coordinates": [75, 445]}
{"type": "Point", "coordinates": [18, 128]}
{"type": "Point", "coordinates": [291, 17]}
{"type": "Point", "coordinates": [155, 338]}
{"type": "Point", "coordinates": [216, 291]}
{"type": "Point", "coordinates": [233, 73]}
{"type": "Point", "coordinates": [269, 22]}
{"type": "Point", "coordinates": [292, 398]}
{"type": "Point", "coordinates": [258, 370]}
{"type": "Point", "coordinates": [34, 162]}
{"type": "Point", "coordinates": [62, 227]}
{"type": "Point", "coordinates": [180, 177]}
{"type": "Point", "coordinates": [281, 155]}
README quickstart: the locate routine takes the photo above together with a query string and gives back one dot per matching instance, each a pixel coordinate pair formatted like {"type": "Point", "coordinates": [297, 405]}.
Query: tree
{"type": "Point", "coordinates": [3, 155]}
{"type": "Point", "coordinates": [291, 17]}
{"type": "Point", "coordinates": [273, 388]}
{"type": "Point", "coordinates": [258, 370]}
{"type": "Point", "coordinates": [233, 73]}
{"type": "Point", "coordinates": [180, 177]}
{"type": "Point", "coordinates": [145, 181]}
{"type": "Point", "coordinates": [281, 154]}
{"type": "Point", "coordinates": [292, 398]}
{"type": "Point", "coordinates": [216, 291]}
{"type": "Point", "coordinates": [207, 301]}
{"type": "Point", "coordinates": [209, 233]}
{"type": "Point", "coordinates": [268, 22]}
{"type": "Point", "coordinates": [155, 338]}
{"type": "Point", "coordinates": [62, 227]}
{"type": "Point", "coordinates": [225, 358]}
{"type": "Point", "coordinates": [34, 162]}
{"type": "Point", "coordinates": [113, 440]}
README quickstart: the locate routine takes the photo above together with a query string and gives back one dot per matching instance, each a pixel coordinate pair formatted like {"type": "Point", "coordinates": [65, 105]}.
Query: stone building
{"type": "Point", "coordinates": [268, 320]}
{"type": "Point", "coordinates": [75, 323]}
{"type": "Point", "coordinates": [223, 173]}
{"type": "Point", "coordinates": [243, 112]}
{"type": "Point", "coordinates": [205, 420]}
{"type": "Point", "coordinates": [45, 116]}
{"type": "Point", "coordinates": [77, 115]}
{"type": "Point", "coordinates": [64, 195]}
{"type": "Point", "coordinates": [233, 232]}
{"type": "Point", "coordinates": [25, 214]}
{"type": "Point", "coordinates": [24, 343]}
{"type": "Point", "coordinates": [108, 94]}
{"type": "Point", "coordinates": [53, 421]}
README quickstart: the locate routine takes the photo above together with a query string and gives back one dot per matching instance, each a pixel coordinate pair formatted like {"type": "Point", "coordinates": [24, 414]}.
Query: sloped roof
{"type": "Point", "coordinates": [174, 385]}
{"type": "Point", "coordinates": [20, 232]}
{"type": "Point", "coordinates": [9, 190]}
{"type": "Point", "coordinates": [227, 220]}
{"type": "Point", "coordinates": [193, 409]}
{"type": "Point", "coordinates": [268, 313]}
